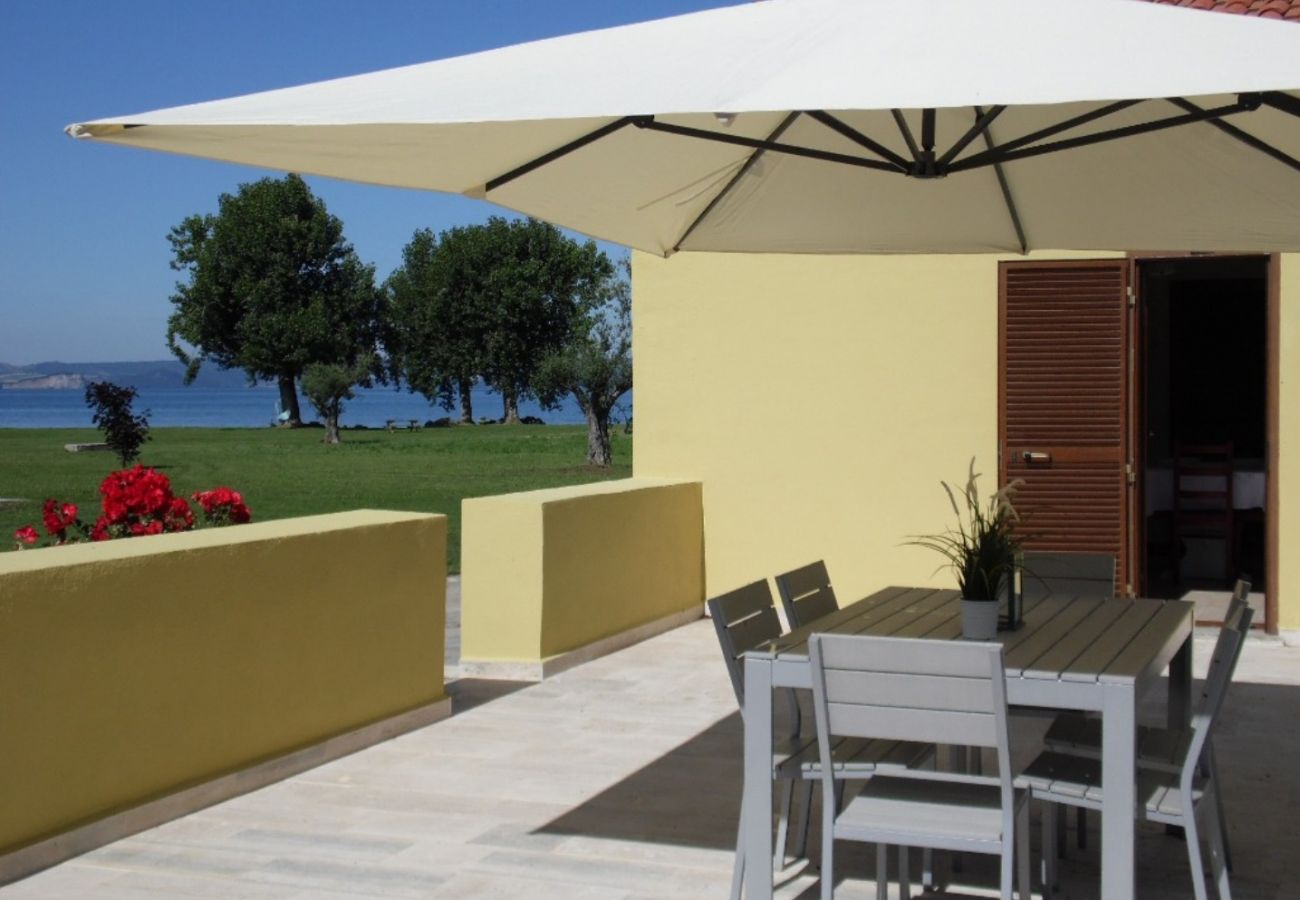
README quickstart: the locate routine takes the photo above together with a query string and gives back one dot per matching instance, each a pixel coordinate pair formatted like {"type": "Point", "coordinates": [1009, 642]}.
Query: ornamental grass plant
{"type": "Point", "coordinates": [982, 549]}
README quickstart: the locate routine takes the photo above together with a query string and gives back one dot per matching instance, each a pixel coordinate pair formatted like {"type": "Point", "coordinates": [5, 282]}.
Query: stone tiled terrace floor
{"type": "Point", "coordinates": [613, 781]}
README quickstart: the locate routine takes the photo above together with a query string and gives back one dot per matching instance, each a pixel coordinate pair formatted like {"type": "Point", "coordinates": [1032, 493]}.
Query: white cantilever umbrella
{"type": "Point", "coordinates": [824, 126]}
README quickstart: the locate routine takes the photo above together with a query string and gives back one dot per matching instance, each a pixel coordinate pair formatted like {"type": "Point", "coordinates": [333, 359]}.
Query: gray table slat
{"type": "Point", "coordinates": [945, 613]}
{"type": "Point", "coordinates": [1148, 644]}
{"type": "Point", "coordinates": [1042, 639]}
{"type": "Point", "coordinates": [1089, 665]}
{"type": "Point", "coordinates": [799, 636]}
{"type": "Point", "coordinates": [1059, 658]}
{"type": "Point", "coordinates": [894, 624]}
{"type": "Point", "coordinates": [856, 618]}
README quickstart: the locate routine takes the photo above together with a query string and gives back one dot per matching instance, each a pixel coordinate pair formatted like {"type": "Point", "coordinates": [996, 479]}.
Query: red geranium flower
{"type": "Point", "coordinates": [26, 535]}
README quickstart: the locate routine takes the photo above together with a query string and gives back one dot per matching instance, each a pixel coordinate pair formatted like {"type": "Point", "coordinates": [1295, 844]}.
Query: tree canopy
{"type": "Point", "coordinates": [491, 300]}
{"type": "Point", "coordinates": [272, 287]}
{"type": "Point", "coordinates": [433, 336]}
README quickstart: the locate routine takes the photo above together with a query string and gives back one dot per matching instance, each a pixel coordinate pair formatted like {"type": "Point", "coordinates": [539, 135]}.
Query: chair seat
{"type": "Point", "coordinates": [941, 814]}
{"type": "Point", "coordinates": [1076, 781]}
{"type": "Point", "coordinates": [1157, 748]}
{"type": "Point", "coordinates": [850, 757]}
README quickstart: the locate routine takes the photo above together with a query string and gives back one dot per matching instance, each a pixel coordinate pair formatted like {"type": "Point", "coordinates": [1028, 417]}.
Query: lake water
{"type": "Point", "coordinates": [253, 407]}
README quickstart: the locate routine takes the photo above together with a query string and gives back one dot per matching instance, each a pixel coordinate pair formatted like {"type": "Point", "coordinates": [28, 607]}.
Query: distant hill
{"type": "Point", "coordinates": [161, 373]}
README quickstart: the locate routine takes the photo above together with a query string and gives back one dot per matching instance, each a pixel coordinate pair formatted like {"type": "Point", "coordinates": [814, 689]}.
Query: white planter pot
{"type": "Point", "coordinates": [979, 620]}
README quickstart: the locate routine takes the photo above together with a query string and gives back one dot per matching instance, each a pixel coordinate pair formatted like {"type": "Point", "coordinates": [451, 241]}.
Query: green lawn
{"type": "Point", "coordinates": [285, 473]}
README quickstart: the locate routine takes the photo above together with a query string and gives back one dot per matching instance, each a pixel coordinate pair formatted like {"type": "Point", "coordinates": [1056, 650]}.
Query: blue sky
{"type": "Point", "coordinates": [84, 258]}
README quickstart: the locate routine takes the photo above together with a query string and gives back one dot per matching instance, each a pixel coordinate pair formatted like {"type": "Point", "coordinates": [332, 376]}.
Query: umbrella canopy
{"type": "Point", "coordinates": [834, 126]}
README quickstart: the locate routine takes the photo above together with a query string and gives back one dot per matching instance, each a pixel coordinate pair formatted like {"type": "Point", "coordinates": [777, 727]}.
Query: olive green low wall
{"type": "Point", "coordinates": [135, 669]}
{"type": "Point", "coordinates": [552, 577]}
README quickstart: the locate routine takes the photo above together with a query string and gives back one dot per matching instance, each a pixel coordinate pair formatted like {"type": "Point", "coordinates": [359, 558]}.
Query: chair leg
{"type": "Point", "coordinates": [1218, 804]}
{"type": "Point", "coordinates": [904, 874]}
{"type": "Point", "coordinates": [801, 823]}
{"type": "Point", "coordinates": [1025, 891]}
{"type": "Point", "coordinates": [1081, 827]}
{"type": "Point", "coordinates": [1218, 861]}
{"type": "Point", "coordinates": [1049, 848]}
{"type": "Point", "coordinates": [738, 867]}
{"type": "Point", "coordinates": [783, 825]}
{"type": "Point", "coordinates": [882, 872]}
{"type": "Point", "coordinates": [828, 849]}
{"type": "Point", "coordinates": [1193, 839]}
{"type": "Point", "coordinates": [1008, 867]}
{"type": "Point", "coordinates": [1058, 813]}
{"type": "Point", "coordinates": [927, 870]}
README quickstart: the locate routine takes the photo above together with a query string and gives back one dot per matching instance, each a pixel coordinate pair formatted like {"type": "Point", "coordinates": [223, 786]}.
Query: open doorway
{"type": "Point", "coordinates": [1203, 411]}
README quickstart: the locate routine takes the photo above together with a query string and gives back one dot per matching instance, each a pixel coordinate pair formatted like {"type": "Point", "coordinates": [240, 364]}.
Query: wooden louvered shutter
{"type": "Point", "coordinates": [1064, 401]}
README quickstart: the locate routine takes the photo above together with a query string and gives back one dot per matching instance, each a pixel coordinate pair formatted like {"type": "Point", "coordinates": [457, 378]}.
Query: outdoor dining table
{"type": "Point", "coordinates": [1069, 653]}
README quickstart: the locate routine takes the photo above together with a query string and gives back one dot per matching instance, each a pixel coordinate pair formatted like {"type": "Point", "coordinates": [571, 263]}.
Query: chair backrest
{"type": "Point", "coordinates": [1227, 651]}
{"type": "Point", "coordinates": [1217, 670]}
{"type": "Point", "coordinates": [942, 692]}
{"type": "Point", "coordinates": [806, 594]}
{"type": "Point", "coordinates": [743, 618]}
{"type": "Point", "coordinates": [1045, 573]}
{"type": "Point", "coordinates": [1203, 478]}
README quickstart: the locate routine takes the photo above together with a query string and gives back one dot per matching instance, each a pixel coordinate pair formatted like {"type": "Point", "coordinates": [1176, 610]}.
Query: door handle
{"type": "Point", "coordinates": [1034, 456]}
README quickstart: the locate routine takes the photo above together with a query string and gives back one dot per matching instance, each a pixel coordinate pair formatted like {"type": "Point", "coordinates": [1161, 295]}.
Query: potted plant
{"type": "Point", "coordinates": [982, 551]}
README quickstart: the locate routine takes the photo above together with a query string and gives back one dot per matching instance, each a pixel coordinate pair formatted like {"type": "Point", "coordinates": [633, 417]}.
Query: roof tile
{"type": "Point", "coordinates": [1271, 9]}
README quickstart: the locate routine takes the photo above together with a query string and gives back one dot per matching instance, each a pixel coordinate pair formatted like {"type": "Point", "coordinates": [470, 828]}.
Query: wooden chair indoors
{"type": "Point", "coordinates": [1203, 503]}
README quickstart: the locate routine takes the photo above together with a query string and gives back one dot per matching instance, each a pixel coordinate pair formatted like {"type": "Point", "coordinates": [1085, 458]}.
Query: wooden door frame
{"type": "Point", "coordinates": [1272, 379]}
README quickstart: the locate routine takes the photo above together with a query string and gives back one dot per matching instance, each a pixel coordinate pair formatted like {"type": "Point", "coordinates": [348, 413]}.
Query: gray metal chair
{"type": "Point", "coordinates": [806, 594]}
{"type": "Point", "coordinates": [1172, 797]}
{"type": "Point", "coordinates": [1047, 573]}
{"type": "Point", "coordinates": [924, 690]}
{"type": "Point", "coordinates": [1159, 749]}
{"type": "Point", "coordinates": [746, 618]}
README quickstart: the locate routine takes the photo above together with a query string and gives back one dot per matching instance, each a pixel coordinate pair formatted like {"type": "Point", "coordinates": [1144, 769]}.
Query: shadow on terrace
{"type": "Point", "coordinates": [618, 779]}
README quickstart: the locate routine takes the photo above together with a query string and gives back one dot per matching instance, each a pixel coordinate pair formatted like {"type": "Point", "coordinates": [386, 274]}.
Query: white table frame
{"type": "Point", "coordinates": [1057, 666]}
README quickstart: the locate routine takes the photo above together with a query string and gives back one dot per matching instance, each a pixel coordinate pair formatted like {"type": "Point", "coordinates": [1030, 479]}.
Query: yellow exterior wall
{"type": "Point", "coordinates": [1288, 476]}
{"type": "Point", "coordinates": [546, 572]}
{"type": "Point", "coordinates": [135, 668]}
{"type": "Point", "coordinates": [820, 399]}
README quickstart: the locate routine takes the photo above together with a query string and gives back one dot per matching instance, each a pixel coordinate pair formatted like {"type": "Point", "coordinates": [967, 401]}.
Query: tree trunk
{"type": "Point", "coordinates": [332, 424]}
{"type": "Point", "coordinates": [598, 451]}
{"type": "Point", "coordinates": [466, 386]}
{"type": "Point", "coordinates": [289, 401]}
{"type": "Point", "coordinates": [510, 400]}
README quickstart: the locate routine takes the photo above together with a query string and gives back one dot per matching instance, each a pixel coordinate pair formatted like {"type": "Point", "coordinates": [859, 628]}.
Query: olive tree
{"type": "Point", "coordinates": [595, 366]}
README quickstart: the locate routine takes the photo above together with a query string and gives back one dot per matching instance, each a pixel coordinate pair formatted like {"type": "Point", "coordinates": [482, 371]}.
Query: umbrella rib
{"type": "Point", "coordinates": [1246, 104]}
{"type": "Point", "coordinates": [906, 132]}
{"type": "Point", "coordinates": [1245, 137]}
{"type": "Point", "coordinates": [735, 179]}
{"type": "Point", "coordinates": [982, 123]}
{"type": "Point", "coordinates": [651, 124]}
{"type": "Point", "coordinates": [1284, 102]}
{"type": "Point", "coordinates": [1002, 183]}
{"type": "Point", "coordinates": [859, 138]}
{"type": "Point", "coordinates": [558, 152]}
{"type": "Point", "coordinates": [1073, 122]}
